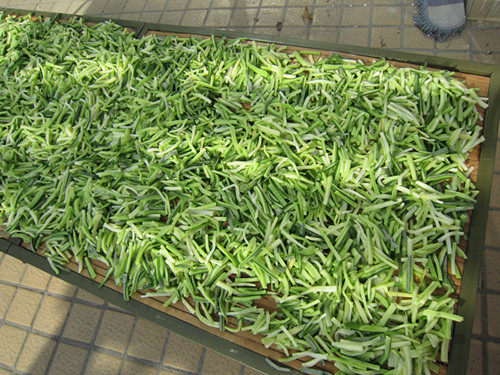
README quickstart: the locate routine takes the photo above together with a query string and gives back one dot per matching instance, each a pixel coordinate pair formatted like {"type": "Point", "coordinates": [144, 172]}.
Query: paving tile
{"type": "Point", "coordinates": [294, 3]}
{"type": "Point", "coordinates": [134, 6]}
{"type": "Point", "coordinates": [486, 40]}
{"type": "Point", "coordinates": [52, 314]}
{"type": "Point", "coordinates": [383, 37]}
{"type": "Point", "coordinates": [477, 326]}
{"type": "Point", "coordinates": [492, 261]}
{"type": "Point", "coordinates": [493, 356]}
{"type": "Point", "coordinates": [60, 7]}
{"type": "Point", "coordinates": [114, 6]}
{"type": "Point", "coordinates": [44, 6]}
{"type": "Point", "coordinates": [322, 3]}
{"type": "Point", "coordinates": [6, 294]}
{"type": "Point", "coordinates": [96, 7]}
{"type": "Point", "coordinates": [172, 17]}
{"type": "Point", "coordinates": [269, 17]}
{"type": "Point", "coordinates": [247, 3]}
{"type": "Point", "coordinates": [222, 4]}
{"type": "Point", "coordinates": [24, 306]}
{"type": "Point", "coordinates": [251, 371]}
{"type": "Point", "coordinates": [25, 4]}
{"type": "Point", "coordinates": [409, 14]}
{"type": "Point", "coordinates": [68, 360]}
{"type": "Point", "coordinates": [134, 368]}
{"type": "Point", "coordinates": [356, 2]}
{"type": "Point", "coordinates": [475, 362]}
{"type": "Point", "coordinates": [199, 4]}
{"type": "Point", "coordinates": [328, 17]}
{"type": "Point", "coordinates": [295, 32]}
{"type": "Point", "coordinates": [218, 18]}
{"type": "Point", "coordinates": [176, 5]}
{"type": "Point", "coordinates": [82, 322]}
{"type": "Point", "coordinates": [152, 17]}
{"type": "Point", "coordinates": [61, 287]}
{"type": "Point", "coordinates": [493, 312]}
{"type": "Point", "coordinates": [11, 269]}
{"type": "Point", "coordinates": [387, 16]}
{"type": "Point", "coordinates": [354, 36]}
{"type": "Point", "coordinates": [276, 3]}
{"type": "Point", "coordinates": [328, 34]}
{"type": "Point", "coordinates": [356, 17]}
{"type": "Point", "coordinates": [194, 17]}
{"type": "Point", "coordinates": [77, 7]}
{"type": "Point", "coordinates": [35, 278]}
{"type": "Point", "coordinates": [482, 24]}
{"type": "Point", "coordinates": [217, 364]}
{"type": "Point", "coordinates": [147, 341]}
{"type": "Point", "coordinates": [182, 353]}
{"type": "Point", "coordinates": [10, 344]}
{"type": "Point", "coordinates": [493, 229]}
{"type": "Point", "coordinates": [154, 5]}
{"type": "Point", "coordinates": [115, 330]}
{"type": "Point", "coordinates": [243, 17]}
{"type": "Point", "coordinates": [16, 5]}
{"type": "Point", "coordinates": [293, 17]}
{"type": "Point", "coordinates": [100, 363]}
{"type": "Point", "coordinates": [389, 2]}
{"type": "Point", "coordinates": [166, 372]}
{"type": "Point", "coordinates": [36, 354]}
{"type": "Point", "coordinates": [89, 297]}
{"type": "Point", "coordinates": [457, 42]}
{"type": "Point", "coordinates": [415, 38]}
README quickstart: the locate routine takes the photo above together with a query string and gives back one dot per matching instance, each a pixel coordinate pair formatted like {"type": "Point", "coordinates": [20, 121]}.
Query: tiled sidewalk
{"type": "Point", "coordinates": [47, 326]}
{"type": "Point", "coordinates": [377, 23]}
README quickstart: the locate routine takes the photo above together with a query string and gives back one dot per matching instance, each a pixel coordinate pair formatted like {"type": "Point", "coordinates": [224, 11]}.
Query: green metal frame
{"type": "Point", "coordinates": [467, 302]}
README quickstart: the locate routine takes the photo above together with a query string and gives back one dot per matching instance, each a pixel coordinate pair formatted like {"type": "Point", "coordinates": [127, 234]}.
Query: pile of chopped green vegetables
{"type": "Point", "coordinates": [225, 174]}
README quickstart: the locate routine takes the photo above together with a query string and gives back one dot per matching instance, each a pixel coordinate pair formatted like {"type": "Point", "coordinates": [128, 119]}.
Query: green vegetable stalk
{"type": "Point", "coordinates": [218, 172]}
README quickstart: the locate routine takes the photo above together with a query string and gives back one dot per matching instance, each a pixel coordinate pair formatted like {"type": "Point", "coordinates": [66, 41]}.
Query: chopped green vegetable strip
{"type": "Point", "coordinates": [232, 177]}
